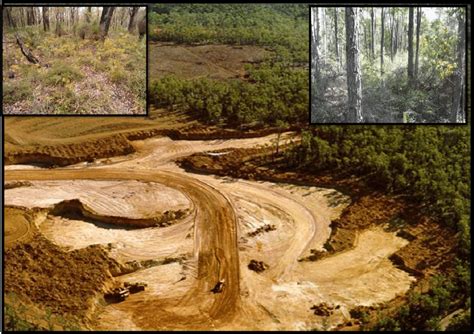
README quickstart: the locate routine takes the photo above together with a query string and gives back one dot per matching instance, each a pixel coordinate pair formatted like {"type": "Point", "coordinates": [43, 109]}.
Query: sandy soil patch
{"type": "Point", "coordinates": [211, 61]}
{"type": "Point", "coordinates": [113, 198]}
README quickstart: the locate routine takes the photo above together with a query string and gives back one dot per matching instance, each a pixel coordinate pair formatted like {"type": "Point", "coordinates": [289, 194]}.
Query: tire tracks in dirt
{"type": "Point", "coordinates": [215, 247]}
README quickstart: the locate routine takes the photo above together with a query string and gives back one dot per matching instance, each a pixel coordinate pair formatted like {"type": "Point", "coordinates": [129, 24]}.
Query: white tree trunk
{"type": "Point", "coordinates": [354, 84]}
{"type": "Point", "coordinates": [315, 65]}
{"type": "Point", "coordinates": [458, 106]}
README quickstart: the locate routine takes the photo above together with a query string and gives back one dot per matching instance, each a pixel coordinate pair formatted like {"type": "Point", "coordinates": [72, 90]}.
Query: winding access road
{"type": "Point", "coordinates": [215, 245]}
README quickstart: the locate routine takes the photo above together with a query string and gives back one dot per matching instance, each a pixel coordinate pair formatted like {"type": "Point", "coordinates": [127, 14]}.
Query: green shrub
{"type": "Point", "coordinates": [117, 74]}
{"type": "Point", "coordinates": [16, 91]}
{"type": "Point", "coordinates": [61, 74]}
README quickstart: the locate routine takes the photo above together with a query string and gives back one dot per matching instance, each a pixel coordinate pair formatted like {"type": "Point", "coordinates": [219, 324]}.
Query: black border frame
{"type": "Point", "coordinates": [406, 126]}
{"type": "Point", "coordinates": [147, 100]}
{"type": "Point", "coordinates": [384, 5]}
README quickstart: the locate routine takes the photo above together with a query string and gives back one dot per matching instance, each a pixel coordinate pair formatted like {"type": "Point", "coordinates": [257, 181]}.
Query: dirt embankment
{"type": "Point", "coordinates": [75, 208]}
{"type": "Point", "coordinates": [201, 132]}
{"type": "Point", "coordinates": [66, 283]}
{"type": "Point", "coordinates": [120, 144]}
{"type": "Point", "coordinates": [63, 155]}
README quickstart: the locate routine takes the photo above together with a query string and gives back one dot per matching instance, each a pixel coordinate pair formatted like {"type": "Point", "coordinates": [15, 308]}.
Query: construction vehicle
{"type": "Point", "coordinates": [219, 286]}
{"type": "Point", "coordinates": [117, 295]}
{"type": "Point", "coordinates": [135, 287]}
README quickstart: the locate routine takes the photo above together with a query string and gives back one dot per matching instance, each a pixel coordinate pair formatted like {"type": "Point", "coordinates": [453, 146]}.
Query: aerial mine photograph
{"type": "Point", "coordinates": [223, 208]}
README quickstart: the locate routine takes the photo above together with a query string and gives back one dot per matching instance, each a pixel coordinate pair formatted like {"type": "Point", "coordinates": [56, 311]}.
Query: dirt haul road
{"type": "Point", "coordinates": [226, 215]}
{"type": "Point", "coordinates": [216, 240]}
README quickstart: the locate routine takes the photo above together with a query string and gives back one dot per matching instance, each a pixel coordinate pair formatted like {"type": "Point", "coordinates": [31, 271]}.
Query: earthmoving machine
{"type": "Point", "coordinates": [117, 295]}
{"type": "Point", "coordinates": [219, 286]}
{"type": "Point", "coordinates": [135, 287]}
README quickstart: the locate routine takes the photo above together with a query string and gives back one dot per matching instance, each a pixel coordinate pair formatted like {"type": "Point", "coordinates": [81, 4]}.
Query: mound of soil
{"type": "Point", "coordinates": [51, 278]}
{"type": "Point", "coordinates": [16, 184]}
{"type": "Point", "coordinates": [68, 154]}
{"type": "Point", "coordinates": [257, 266]}
{"type": "Point", "coordinates": [75, 208]}
{"type": "Point", "coordinates": [262, 229]}
{"type": "Point", "coordinates": [323, 309]}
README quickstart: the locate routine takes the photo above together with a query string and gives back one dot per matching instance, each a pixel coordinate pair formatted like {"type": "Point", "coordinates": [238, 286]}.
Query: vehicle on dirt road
{"type": "Point", "coordinates": [219, 286]}
{"type": "Point", "coordinates": [135, 287]}
{"type": "Point", "coordinates": [117, 295]}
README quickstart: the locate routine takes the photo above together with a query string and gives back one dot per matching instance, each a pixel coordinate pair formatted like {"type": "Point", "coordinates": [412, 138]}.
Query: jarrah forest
{"type": "Point", "coordinates": [74, 60]}
{"type": "Point", "coordinates": [388, 64]}
{"type": "Point", "coordinates": [224, 209]}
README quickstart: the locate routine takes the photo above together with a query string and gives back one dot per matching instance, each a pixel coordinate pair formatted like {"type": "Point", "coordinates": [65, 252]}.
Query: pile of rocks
{"type": "Point", "coordinates": [264, 228]}
{"type": "Point", "coordinates": [257, 266]}
{"type": "Point", "coordinates": [323, 309]}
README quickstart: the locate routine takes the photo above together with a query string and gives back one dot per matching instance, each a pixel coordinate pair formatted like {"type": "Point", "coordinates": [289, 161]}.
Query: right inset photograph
{"type": "Point", "coordinates": [388, 65]}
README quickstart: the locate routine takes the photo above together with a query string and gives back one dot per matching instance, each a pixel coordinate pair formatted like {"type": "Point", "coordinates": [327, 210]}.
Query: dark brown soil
{"type": "Point", "coordinates": [63, 282]}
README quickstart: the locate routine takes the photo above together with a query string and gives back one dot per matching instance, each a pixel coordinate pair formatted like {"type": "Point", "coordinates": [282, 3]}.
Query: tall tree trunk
{"type": "Point", "coordinates": [410, 46]}
{"type": "Point", "coordinates": [366, 40]}
{"type": "Point", "coordinates": [142, 28]}
{"type": "Point", "coordinates": [133, 14]}
{"type": "Point", "coordinates": [335, 36]}
{"type": "Point", "coordinates": [322, 32]}
{"type": "Point", "coordinates": [73, 16]}
{"type": "Point", "coordinates": [392, 23]}
{"type": "Point", "coordinates": [458, 114]}
{"type": "Point", "coordinates": [105, 20]}
{"type": "Point", "coordinates": [30, 16]}
{"type": "Point", "coordinates": [88, 14]}
{"type": "Point", "coordinates": [395, 46]}
{"type": "Point", "coordinates": [418, 27]}
{"type": "Point", "coordinates": [354, 84]}
{"type": "Point", "coordinates": [382, 28]}
{"type": "Point", "coordinates": [59, 21]}
{"type": "Point", "coordinates": [316, 65]}
{"type": "Point", "coordinates": [9, 17]}
{"type": "Point", "coordinates": [372, 25]}
{"type": "Point", "coordinates": [46, 18]}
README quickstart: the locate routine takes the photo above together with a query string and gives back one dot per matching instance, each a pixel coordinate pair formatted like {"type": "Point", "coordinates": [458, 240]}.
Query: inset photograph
{"type": "Point", "coordinates": [74, 60]}
{"type": "Point", "coordinates": [395, 65]}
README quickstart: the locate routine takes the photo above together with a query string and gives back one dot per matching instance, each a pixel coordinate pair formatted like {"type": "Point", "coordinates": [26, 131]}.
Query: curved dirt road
{"type": "Point", "coordinates": [18, 228]}
{"type": "Point", "coordinates": [215, 238]}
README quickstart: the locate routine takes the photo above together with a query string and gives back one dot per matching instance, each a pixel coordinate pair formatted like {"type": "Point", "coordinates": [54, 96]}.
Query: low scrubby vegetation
{"type": "Point", "coordinates": [77, 73]}
{"type": "Point", "coordinates": [274, 90]}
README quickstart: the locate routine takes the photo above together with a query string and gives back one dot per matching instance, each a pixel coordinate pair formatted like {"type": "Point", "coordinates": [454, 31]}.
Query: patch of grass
{"type": "Point", "coordinates": [121, 58]}
{"type": "Point", "coordinates": [117, 73]}
{"type": "Point", "coordinates": [61, 74]}
{"type": "Point", "coordinates": [67, 49]}
{"type": "Point", "coordinates": [16, 91]}
{"type": "Point", "coordinates": [137, 84]}
{"type": "Point", "coordinates": [63, 101]}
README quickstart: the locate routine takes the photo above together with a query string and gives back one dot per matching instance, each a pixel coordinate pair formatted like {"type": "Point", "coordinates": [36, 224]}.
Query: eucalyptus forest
{"type": "Point", "coordinates": [388, 64]}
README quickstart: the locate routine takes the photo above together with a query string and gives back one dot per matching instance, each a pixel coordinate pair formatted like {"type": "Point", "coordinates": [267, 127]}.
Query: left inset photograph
{"type": "Point", "coordinates": [74, 60]}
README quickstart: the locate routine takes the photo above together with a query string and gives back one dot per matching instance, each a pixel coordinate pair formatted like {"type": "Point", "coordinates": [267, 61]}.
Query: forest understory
{"type": "Point", "coordinates": [72, 70]}
{"type": "Point", "coordinates": [392, 65]}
